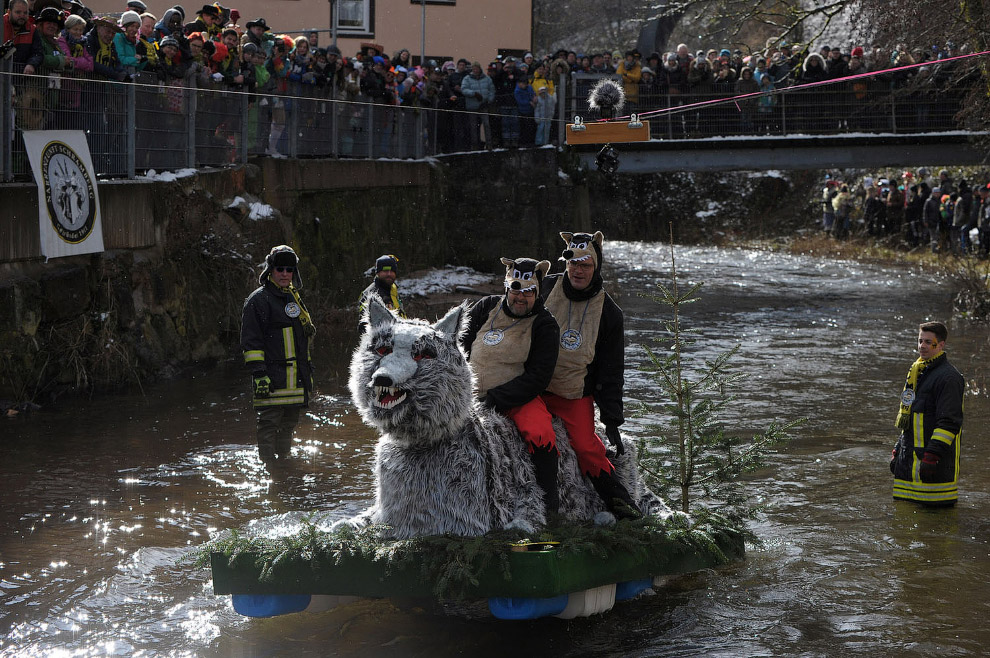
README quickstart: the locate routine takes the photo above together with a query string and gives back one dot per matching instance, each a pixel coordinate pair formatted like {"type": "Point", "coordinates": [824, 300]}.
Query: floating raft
{"type": "Point", "coordinates": [541, 579]}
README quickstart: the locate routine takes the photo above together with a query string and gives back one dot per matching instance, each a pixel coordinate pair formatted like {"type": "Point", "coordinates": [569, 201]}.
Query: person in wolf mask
{"type": "Point", "coordinates": [590, 365]}
{"type": "Point", "coordinates": [276, 330]}
{"type": "Point", "coordinates": [511, 343]}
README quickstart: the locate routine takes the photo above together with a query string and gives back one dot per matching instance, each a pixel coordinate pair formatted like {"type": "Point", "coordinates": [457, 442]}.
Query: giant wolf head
{"type": "Point", "coordinates": [409, 378]}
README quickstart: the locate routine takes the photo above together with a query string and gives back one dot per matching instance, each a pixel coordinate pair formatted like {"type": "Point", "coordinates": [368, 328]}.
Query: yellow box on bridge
{"type": "Point", "coordinates": [608, 132]}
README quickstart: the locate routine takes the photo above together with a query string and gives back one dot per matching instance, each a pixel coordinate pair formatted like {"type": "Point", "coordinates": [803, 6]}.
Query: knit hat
{"type": "Point", "coordinates": [129, 17]}
{"type": "Point", "coordinates": [169, 41]}
{"type": "Point", "coordinates": [524, 274]}
{"type": "Point", "coordinates": [387, 263]}
{"type": "Point", "coordinates": [857, 52]}
{"type": "Point", "coordinates": [281, 256]}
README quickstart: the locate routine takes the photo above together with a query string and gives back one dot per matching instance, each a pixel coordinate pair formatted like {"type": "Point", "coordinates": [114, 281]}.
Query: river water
{"type": "Point", "coordinates": [103, 499]}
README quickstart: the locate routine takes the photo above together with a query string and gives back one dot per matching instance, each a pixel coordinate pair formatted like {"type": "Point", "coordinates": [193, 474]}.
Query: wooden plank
{"type": "Point", "coordinates": [609, 132]}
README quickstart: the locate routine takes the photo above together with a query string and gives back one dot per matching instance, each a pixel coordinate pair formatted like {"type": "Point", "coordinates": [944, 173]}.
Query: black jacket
{"type": "Point", "coordinates": [540, 362]}
{"type": "Point", "coordinates": [265, 324]}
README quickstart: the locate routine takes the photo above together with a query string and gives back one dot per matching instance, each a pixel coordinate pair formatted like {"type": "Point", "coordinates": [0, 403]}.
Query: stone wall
{"type": "Point", "coordinates": [181, 257]}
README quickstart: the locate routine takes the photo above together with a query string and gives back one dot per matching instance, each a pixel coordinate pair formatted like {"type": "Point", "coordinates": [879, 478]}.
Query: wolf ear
{"type": "Point", "coordinates": [378, 313]}
{"type": "Point", "coordinates": [507, 261]}
{"type": "Point", "coordinates": [598, 238]}
{"type": "Point", "coordinates": [543, 267]}
{"type": "Point", "coordinates": [567, 238]}
{"type": "Point", "coordinates": [452, 323]}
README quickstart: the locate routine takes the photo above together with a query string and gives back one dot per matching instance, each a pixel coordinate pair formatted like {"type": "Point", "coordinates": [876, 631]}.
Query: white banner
{"type": "Point", "coordinates": [68, 201]}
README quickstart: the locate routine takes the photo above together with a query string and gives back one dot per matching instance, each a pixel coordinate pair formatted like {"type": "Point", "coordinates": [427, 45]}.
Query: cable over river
{"type": "Point", "coordinates": [102, 499]}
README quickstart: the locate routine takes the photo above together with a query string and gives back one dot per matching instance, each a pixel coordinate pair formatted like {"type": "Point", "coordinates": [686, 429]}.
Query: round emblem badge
{"type": "Point", "coordinates": [907, 397]}
{"type": "Point", "coordinates": [570, 339]}
{"type": "Point", "coordinates": [69, 192]}
{"type": "Point", "coordinates": [292, 310]}
{"type": "Point", "coordinates": [493, 337]}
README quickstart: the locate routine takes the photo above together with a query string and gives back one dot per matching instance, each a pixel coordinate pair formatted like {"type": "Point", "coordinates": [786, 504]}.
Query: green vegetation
{"type": "Point", "coordinates": [453, 564]}
{"type": "Point", "coordinates": [692, 461]}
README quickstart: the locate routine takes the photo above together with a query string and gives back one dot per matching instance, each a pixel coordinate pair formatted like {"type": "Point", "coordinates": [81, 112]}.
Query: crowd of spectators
{"type": "Point", "coordinates": [922, 209]}
{"type": "Point", "coordinates": [507, 102]}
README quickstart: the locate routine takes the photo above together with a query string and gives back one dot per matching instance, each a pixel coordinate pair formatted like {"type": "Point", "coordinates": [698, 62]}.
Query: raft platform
{"type": "Point", "coordinates": [541, 579]}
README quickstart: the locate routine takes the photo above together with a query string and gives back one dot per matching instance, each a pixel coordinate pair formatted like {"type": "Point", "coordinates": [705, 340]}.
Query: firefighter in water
{"type": "Point", "coordinates": [925, 461]}
{"type": "Point", "coordinates": [276, 330]}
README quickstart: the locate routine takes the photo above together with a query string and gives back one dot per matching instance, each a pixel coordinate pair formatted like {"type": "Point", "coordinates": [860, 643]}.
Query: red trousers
{"type": "Point", "coordinates": [534, 423]}
{"type": "Point", "coordinates": [579, 419]}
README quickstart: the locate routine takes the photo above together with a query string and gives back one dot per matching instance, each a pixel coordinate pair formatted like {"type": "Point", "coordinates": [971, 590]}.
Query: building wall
{"type": "Point", "coordinates": [474, 29]}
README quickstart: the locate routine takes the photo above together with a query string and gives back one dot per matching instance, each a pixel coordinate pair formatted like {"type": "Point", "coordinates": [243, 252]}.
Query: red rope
{"type": "Point", "coordinates": [806, 85]}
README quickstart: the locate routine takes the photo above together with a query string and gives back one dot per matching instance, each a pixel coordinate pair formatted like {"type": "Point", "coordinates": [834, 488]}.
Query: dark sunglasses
{"type": "Point", "coordinates": [287, 268]}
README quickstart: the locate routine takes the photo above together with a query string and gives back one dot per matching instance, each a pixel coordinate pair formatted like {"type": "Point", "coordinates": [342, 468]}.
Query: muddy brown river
{"type": "Point", "coordinates": [103, 500]}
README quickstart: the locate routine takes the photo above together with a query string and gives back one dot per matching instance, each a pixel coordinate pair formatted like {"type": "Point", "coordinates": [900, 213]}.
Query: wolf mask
{"type": "Point", "coordinates": [581, 246]}
{"type": "Point", "coordinates": [524, 274]}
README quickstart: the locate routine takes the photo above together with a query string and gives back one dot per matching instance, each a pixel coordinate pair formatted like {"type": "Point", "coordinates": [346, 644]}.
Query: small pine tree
{"type": "Point", "coordinates": [694, 463]}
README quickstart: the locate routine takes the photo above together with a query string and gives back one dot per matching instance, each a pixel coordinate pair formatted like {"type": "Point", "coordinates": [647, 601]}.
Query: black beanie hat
{"type": "Point", "coordinates": [387, 263]}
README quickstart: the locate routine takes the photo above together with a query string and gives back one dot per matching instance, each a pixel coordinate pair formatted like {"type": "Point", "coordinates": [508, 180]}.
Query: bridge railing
{"type": "Point", "coordinates": [146, 124]}
{"type": "Point", "coordinates": [873, 107]}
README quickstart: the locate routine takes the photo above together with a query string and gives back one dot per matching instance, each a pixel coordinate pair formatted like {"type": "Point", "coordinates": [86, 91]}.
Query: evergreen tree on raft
{"type": "Point", "coordinates": [692, 461]}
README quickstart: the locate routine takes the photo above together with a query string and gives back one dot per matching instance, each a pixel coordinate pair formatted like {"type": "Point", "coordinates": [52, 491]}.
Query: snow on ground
{"type": "Point", "coordinates": [441, 280]}
{"type": "Point", "coordinates": [168, 176]}
{"type": "Point", "coordinates": [261, 211]}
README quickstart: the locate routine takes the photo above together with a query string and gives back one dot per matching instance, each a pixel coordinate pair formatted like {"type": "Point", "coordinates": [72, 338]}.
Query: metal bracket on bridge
{"type": "Point", "coordinates": [578, 124]}
{"type": "Point", "coordinates": [634, 122]}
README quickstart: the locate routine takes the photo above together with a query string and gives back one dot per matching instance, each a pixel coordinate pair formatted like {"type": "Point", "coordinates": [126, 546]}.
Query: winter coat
{"type": "Point", "coordinates": [127, 52]}
{"type": "Point", "coordinates": [630, 79]}
{"type": "Point", "coordinates": [75, 50]}
{"type": "Point", "coordinates": [815, 73]}
{"type": "Point", "coordinates": [470, 86]}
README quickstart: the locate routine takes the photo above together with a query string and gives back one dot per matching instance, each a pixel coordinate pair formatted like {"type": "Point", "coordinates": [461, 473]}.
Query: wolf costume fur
{"type": "Point", "coordinates": [444, 464]}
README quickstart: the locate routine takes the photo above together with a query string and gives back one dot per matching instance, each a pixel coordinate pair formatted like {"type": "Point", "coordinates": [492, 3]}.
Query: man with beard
{"type": "Point", "coordinates": [511, 342]}
{"type": "Point", "coordinates": [386, 272]}
{"type": "Point", "coordinates": [590, 365]}
{"type": "Point", "coordinates": [18, 28]}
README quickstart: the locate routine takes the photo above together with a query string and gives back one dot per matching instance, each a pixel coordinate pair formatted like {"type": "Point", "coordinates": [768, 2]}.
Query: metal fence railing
{"type": "Point", "coordinates": [145, 124]}
{"type": "Point", "coordinates": [872, 107]}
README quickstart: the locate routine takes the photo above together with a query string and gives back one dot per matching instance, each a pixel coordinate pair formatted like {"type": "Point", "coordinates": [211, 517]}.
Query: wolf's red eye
{"type": "Point", "coordinates": [425, 354]}
{"type": "Point", "coordinates": [384, 349]}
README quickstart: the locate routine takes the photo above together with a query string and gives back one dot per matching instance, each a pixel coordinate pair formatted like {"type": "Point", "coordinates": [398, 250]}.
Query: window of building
{"type": "Point", "coordinates": [356, 17]}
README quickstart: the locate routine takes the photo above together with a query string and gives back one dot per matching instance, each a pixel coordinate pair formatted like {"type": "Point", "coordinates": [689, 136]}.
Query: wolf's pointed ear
{"type": "Point", "coordinates": [543, 267]}
{"type": "Point", "coordinates": [378, 313]}
{"type": "Point", "coordinates": [567, 238]}
{"type": "Point", "coordinates": [598, 238]}
{"type": "Point", "coordinates": [453, 323]}
{"type": "Point", "coordinates": [507, 261]}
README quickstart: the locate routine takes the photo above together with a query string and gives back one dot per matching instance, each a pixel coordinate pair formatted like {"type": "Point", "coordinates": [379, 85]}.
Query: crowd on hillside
{"type": "Point", "coordinates": [926, 210]}
{"type": "Point", "coordinates": [506, 102]}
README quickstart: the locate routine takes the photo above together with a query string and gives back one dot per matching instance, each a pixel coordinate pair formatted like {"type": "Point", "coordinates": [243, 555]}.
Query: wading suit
{"type": "Point", "coordinates": [931, 433]}
{"type": "Point", "coordinates": [276, 344]}
{"type": "Point", "coordinates": [513, 360]}
{"type": "Point", "coordinates": [590, 369]}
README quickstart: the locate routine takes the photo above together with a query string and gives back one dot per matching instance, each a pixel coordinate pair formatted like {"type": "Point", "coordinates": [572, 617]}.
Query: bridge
{"type": "Point", "coordinates": [194, 123]}
{"type": "Point", "coordinates": [751, 152]}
